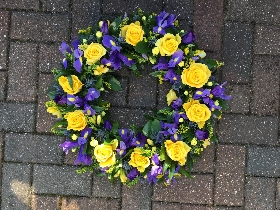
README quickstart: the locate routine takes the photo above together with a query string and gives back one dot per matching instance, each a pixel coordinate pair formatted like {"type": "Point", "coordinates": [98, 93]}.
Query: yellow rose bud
{"type": "Point", "coordinates": [181, 64]}
{"type": "Point", "coordinates": [193, 142]}
{"type": "Point", "coordinates": [55, 111]}
{"type": "Point", "coordinates": [171, 96]}
{"type": "Point", "coordinates": [98, 119]}
{"type": "Point", "coordinates": [101, 69]}
{"type": "Point", "coordinates": [196, 75]}
{"type": "Point", "coordinates": [98, 34]}
{"type": "Point", "coordinates": [138, 160]}
{"type": "Point", "coordinates": [76, 120]}
{"type": "Point", "coordinates": [155, 50]}
{"type": "Point", "coordinates": [93, 142]}
{"type": "Point", "coordinates": [206, 143]}
{"type": "Point", "coordinates": [64, 83]}
{"type": "Point", "coordinates": [187, 50]}
{"type": "Point", "coordinates": [177, 151]}
{"type": "Point", "coordinates": [181, 120]}
{"type": "Point", "coordinates": [209, 83]}
{"type": "Point", "coordinates": [186, 93]}
{"type": "Point", "coordinates": [104, 155]}
{"type": "Point", "coordinates": [144, 18]}
{"type": "Point", "coordinates": [168, 44]}
{"type": "Point", "coordinates": [200, 53]}
{"type": "Point", "coordinates": [152, 60]}
{"type": "Point", "coordinates": [123, 177]}
{"type": "Point", "coordinates": [74, 137]}
{"type": "Point", "coordinates": [94, 52]}
{"type": "Point", "coordinates": [150, 142]}
{"type": "Point", "coordinates": [132, 33]}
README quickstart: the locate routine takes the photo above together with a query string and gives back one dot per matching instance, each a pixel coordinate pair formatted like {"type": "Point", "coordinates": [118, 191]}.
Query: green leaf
{"type": "Point", "coordinates": [210, 63]}
{"type": "Point", "coordinates": [190, 163]}
{"type": "Point", "coordinates": [214, 138]}
{"type": "Point", "coordinates": [133, 67]}
{"type": "Point", "coordinates": [116, 85]}
{"type": "Point", "coordinates": [162, 153]}
{"type": "Point", "coordinates": [223, 103]}
{"type": "Point", "coordinates": [217, 112]}
{"type": "Point", "coordinates": [98, 84]}
{"type": "Point", "coordinates": [114, 25]}
{"type": "Point", "coordinates": [155, 127]}
{"type": "Point", "coordinates": [167, 164]}
{"type": "Point", "coordinates": [69, 109]}
{"type": "Point", "coordinates": [70, 81]}
{"type": "Point", "coordinates": [142, 47]}
{"type": "Point", "coordinates": [98, 108]}
{"type": "Point", "coordinates": [148, 117]}
{"type": "Point", "coordinates": [184, 172]}
{"type": "Point", "coordinates": [171, 171]}
{"type": "Point", "coordinates": [147, 128]}
{"type": "Point", "coordinates": [115, 127]}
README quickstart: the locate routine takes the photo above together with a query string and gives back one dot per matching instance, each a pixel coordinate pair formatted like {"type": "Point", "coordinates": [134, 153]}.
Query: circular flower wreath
{"type": "Point", "coordinates": [174, 136]}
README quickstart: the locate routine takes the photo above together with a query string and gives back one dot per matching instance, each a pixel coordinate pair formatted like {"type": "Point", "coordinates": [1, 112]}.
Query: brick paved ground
{"type": "Point", "coordinates": [242, 172]}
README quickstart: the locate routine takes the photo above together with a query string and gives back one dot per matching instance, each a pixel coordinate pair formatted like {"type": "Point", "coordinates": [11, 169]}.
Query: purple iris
{"type": "Point", "coordinates": [92, 94]}
{"type": "Point", "coordinates": [176, 104]}
{"type": "Point", "coordinates": [78, 63]}
{"type": "Point", "coordinates": [171, 76]}
{"type": "Point", "coordinates": [88, 110]}
{"type": "Point", "coordinates": [60, 99]}
{"type": "Point", "coordinates": [152, 175]}
{"type": "Point", "coordinates": [177, 57]}
{"type": "Point", "coordinates": [65, 63]}
{"type": "Point", "coordinates": [188, 38]}
{"type": "Point", "coordinates": [83, 158]}
{"type": "Point", "coordinates": [139, 140]}
{"type": "Point", "coordinates": [104, 27]}
{"type": "Point", "coordinates": [163, 22]}
{"type": "Point", "coordinates": [126, 135]}
{"type": "Point", "coordinates": [74, 100]}
{"type": "Point", "coordinates": [68, 145]}
{"type": "Point", "coordinates": [162, 64]}
{"type": "Point", "coordinates": [122, 150]}
{"type": "Point", "coordinates": [155, 159]}
{"type": "Point", "coordinates": [201, 135]}
{"type": "Point", "coordinates": [219, 91]}
{"type": "Point", "coordinates": [176, 117]}
{"type": "Point", "coordinates": [115, 60]}
{"type": "Point", "coordinates": [133, 174]}
{"type": "Point", "coordinates": [110, 42]}
{"type": "Point", "coordinates": [85, 133]}
{"type": "Point", "coordinates": [64, 47]}
{"type": "Point", "coordinates": [204, 94]}
{"type": "Point", "coordinates": [168, 128]}
{"type": "Point", "coordinates": [108, 125]}
{"type": "Point", "coordinates": [75, 43]}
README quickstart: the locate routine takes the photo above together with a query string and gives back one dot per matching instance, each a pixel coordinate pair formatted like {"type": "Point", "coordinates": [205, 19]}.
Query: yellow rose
{"type": "Point", "coordinates": [64, 83]}
{"type": "Point", "coordinates": [196, 75]}
{"type": "Point", "coordinates": [54, 111]}
{"type": "Point", "coordinates": [100, 70]}
{"type": "Point", "coordinates": [105, 155]}
{"type": "Point", "coordinates": [177, 151]}
{"type": "Point", "coordinates": [138, 160]}
{"type": "Point", "coordinates": [168, 44]}
{"type": "Point", "coordinates": [94, 52]}
{"type": "Point", "coordinates": [76, 120]}
{"type": "Point", "coordinates": [132, 33]}
{"type": "Point", "coordinates": [171, 96]}
{"type": "Point", "coordinates": [197, 112]}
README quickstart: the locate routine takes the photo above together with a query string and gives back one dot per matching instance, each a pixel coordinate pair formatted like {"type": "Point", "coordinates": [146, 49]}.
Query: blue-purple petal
{"type": "Point", "coordinates": [188, 38]}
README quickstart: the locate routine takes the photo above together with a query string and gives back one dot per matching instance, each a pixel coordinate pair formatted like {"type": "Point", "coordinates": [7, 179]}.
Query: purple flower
{"type": "Point", "coordinates": [169, 128]}
{"type": "Point", "coordinates": [78, 53]}
{"type": "Point", "coordinates": [110, 42]}
{"type": "Point", "coordinates": [104, 27]}
{"type": "Point", "coordinates": [115, 60]}
{"type": "Point", "coordinates": [85, 133]}
{"type": "Point", "coordinates": [201, 135]}
{"type": "Point", "coordinates": [163, 22]}
{"type": "Point", "coordinates": [177, 57]}
{"type": "Point", "coordinates": [152, 175]}
{"type": "Point", "coordinates": [176, 117]}
{"type": "Point", "coordinates": [108, 125]}
{"type": "Point", "coordinates": [175, 137]}
{"type": "Point", "coordinates": [75, 43]}
{"type": "Point", "coordinates": [133, 174]}
{"type": "Point", "coordinates": [64, 47]}
{"type": "Point", "coordinates": [155, 159]}
{"type": "Point", "coordinates": [83, 158]}
{"type": "Point", "coordinates": [122, 150]}
{"type": "Point", "coordinates": [92, 94]}
{"type": "Point", "coordinates": [78, 63]}
{"type": "Point", "coordinates": [68, 145]}
{"type": "Point", "coordinates": [139, 140]}
{"type": "Point", "coordinates": [176, 104]}
{"type": "Point", "coordinates": [88, 110]}
{"type": "Point", "coordinates": [65, 63]}
{"type": "Point", "coordinates": [126, 135]}
{"type": "Point", "coordinates": [188, 38]}
{"type": "Point", "coordinates": [162, 64]}
{"type": "Point", "coordinates": [60, 99]}
{"type": "Point", "coordinates": [74, 100]}
{"type": "Point", "coordinates": [219, 91]}
{"type": "Point", "coordinates": [171, 76]}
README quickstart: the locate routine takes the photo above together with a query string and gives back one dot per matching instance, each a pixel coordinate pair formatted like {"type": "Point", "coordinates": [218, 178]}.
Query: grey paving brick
{"type": "Point", "coordinates": [240, 98]}
{"type": "Point", "coordinates": [85, 13]}
{"type": "Point", "coordinates": [16, 189]}
{"type": "Point", "coordinates": [128, 116]}
{"type": "Point", "coordinates": [182, 8]}
{"type": "Point", "coordinates": [4, 21]}
{"type": "Point", "coordinates": [33, 148]}
{"type": "Point", "coordinates": [229, 179]}
{"type": "Point", "coordinates": [39, 26]}
{"type": "Point", "coordinates": [142, 90]}
{"type": "Point", "coordinates": [137, 197]}
{"type": "Point", "coordinates": [60, 180]}
{"type": "Point", "coordinates": [55, 5]}
{"type": "Point", "coordinates": [1, 153]}
{"type": "Point", "coordinates": [49, 57]}
{"type": "Point", "coordinates": [237, 53]}
{"type": "Point", "coordinates": [102, 187]}
{"type": "Point", "coordinates": [70, 158]}
{"type": "Point", "coordinates": [193, 207]}
{"type": "Point", "coordinates": [260, 193]}
{"type": "Point", "coordinates": [3, 81]}
{"type": "Point", "coordinates": [205, 162]}
{"type": "Point", "coordinates": [259, 130]}
{"type": "Point", "coordinates": [208, 24]}
{"type": "Point", "coordinates": [163, 90]}
{"type": "Point", "coordinates": [195, 191]}
{"type": "Point", "coordinates": [264, 161]}
{"type": "Point", "coordinates": [267, 40]}
{"type": "Point", "coordinates": [89, 204]}
{"type": "Point", "coordinates": [117, 98]}
{"type": "Point", "coordinates": [22, 72]}
{"type": "Point", "coordinates": [17, 117]}
{"type": "Point", "coordinates": [39, 202]}
{"type": "Point", "coordinates": [253, 10]}
{"type": "Point", "coordinates": [120, 6]}
{"type": "Point", "coordinates": [20, 4]}
{"type": "Point", "coordinates": [166, 206]}
{"type": "Point", "coordinates": [265, 99]}
{"type": "Point", "coordinates": [45, 120]}
{"type": "Point", "coordinates": [278, 194]}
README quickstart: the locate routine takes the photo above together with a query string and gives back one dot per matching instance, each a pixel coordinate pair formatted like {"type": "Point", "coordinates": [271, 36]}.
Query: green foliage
{"type": "Point", "coordinates": [115, 84]}
{"type": "Point", "coordinates": [142, 47]}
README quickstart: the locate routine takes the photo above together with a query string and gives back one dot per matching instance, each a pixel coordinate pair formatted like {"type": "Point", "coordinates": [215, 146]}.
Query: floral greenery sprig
{"type": "Point", "coordinates": [171, 140]}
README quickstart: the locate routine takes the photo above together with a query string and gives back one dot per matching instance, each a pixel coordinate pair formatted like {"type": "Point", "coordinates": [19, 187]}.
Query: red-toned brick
{"type": "Point", "coordinates": [44, 120]}
{"type": "Point", "coordinates": [85, 13]}
{"type": "Point", "coordinates": [205, 162]}
{"type": "Point", "coordinates": [20, 4]}
{"type": "Point", "coordinates": [55, 5]}
{"type": "Point", "coordinates": [22, 72]}
{"type": "Point", "coordinates": [89, 204]}
{"type": "Point", "coordinates": [49, 57]}
{"type": "Point", "coordinates": [166, 206]}
{"type": "Point", "coordinates": [208, 23]}
{"type": "Point", "coordinates": [265, 97]}
{"type": "Point", "coordinates": [196, 191]}
{"type": "Point", "coordinates": [229, 183]}
{"type": "Point", "coordinates": [4, 21]}
{"type": "Point", "coordinates": [39, 202]}
{"type": "Point", "coordinates": [39, 26]}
